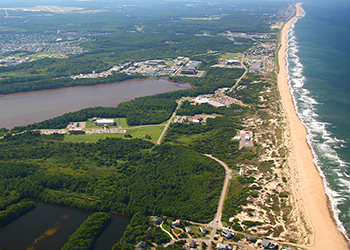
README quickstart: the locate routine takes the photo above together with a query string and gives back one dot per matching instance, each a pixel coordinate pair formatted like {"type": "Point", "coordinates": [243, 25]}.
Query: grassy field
{"type": "Point", "coordinates": [47, 54]}
{"type": "Point", "coordinates": [230, 56]}
{"type": "Point", "coordinates": [139, 132]}
{"type": "Point", "coordinates": [154, 131]}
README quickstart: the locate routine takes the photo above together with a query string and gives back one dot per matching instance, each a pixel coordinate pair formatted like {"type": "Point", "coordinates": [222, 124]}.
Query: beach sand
{"type": "Point", "coordinates": [314, 201]}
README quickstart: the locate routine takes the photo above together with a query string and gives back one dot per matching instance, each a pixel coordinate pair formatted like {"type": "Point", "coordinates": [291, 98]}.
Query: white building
{"type": "Point", "coordinates": [222, 246]}
{"type": "Point", "coordinates": [105, 122]}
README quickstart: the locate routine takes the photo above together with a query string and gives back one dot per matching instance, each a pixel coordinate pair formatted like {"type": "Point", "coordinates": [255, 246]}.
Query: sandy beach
{"type": "Point", "coordinates": [313, 201]}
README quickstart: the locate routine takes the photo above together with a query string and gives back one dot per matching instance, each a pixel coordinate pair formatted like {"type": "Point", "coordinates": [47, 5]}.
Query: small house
{"type": "Point", "coordinates": [220, 246]}
{"type": "Point", "coordinates": [176, 223]}
{"type": "Point", "coordinates": [249, 238]}
{"type": "Point", "coordinates": [192, 243]}
{"type": "Point", "coordinates": [156, 219]}
{"type": "Point", "coordinates": [141, 245]}
{"type": "Point", "coordinates": [269, 244]}
{"type": "Point", "coordinates": [227, 234]}
{"type": "Point", "coordinates": [188, 230]}
{"type": "Point", "coordinates": [203, 229]}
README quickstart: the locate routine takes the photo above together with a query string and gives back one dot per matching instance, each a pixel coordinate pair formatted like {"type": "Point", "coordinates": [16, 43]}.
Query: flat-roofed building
{"type": "Point", "coordinates": [105, 122]}
{"type": "Point", "coordinates": [216, 104]}
{"type": "Point", "coordinates": [200, 100]}
{"type": "Point", "coordinates": [75, 131]}
{"type": "Point", "coordinates": [190, 68]}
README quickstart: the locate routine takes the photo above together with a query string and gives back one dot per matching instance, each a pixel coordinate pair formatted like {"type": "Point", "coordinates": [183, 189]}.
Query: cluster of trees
{"type": "Point", "coordinates": [213, 137]}
{"type": "Point", "coordinates": [14, 211]}
{"type": "Point", "coordinates": [141, 229]}
{"type": "Point", "coordinates": [165, 180]}
{"type": "Point", "coordinates": [84, 237]}
{"type": "Point", "coordinates": [38, 82]}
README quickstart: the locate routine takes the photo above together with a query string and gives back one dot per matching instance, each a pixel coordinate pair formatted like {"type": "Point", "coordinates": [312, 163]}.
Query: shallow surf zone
{"type": "Point", "coordinates": [322, 142]}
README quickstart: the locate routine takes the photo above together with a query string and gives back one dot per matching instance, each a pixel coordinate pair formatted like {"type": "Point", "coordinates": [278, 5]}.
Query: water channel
{"type": "Point", "coordinates": [29, 107]}
{"type": "Point", "coordinates": [48, 227]}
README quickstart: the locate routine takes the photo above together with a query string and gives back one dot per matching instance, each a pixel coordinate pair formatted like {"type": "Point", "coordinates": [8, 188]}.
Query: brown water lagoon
{"type": "Point", "coordinates": [29, 107]}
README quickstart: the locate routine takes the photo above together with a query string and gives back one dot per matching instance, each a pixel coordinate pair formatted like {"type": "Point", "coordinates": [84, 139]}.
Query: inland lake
{"type": "Point", "coordinates": [35, 106]}
{"type": "Point", "coordinates": [48, 226]}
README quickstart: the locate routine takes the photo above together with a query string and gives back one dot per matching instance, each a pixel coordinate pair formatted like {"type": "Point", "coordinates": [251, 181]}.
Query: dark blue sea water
{"type": "Point", "coordinates": [319, 71]}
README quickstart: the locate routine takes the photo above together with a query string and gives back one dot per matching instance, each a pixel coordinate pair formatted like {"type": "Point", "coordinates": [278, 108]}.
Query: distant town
{"type": "Point", "coordinates": [60, 42]}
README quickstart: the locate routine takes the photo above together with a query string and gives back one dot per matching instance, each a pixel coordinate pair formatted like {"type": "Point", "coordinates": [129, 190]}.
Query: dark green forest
{"type": "Point", "coordinates": [125, 176]}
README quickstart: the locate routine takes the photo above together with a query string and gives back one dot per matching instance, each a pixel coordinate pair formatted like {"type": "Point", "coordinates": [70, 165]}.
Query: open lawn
{"type": "Point", "coordinates": [47, 54]}
{"type": "Point", "coordinates": [230, 56]}
{"type": "Point", "coordinates": [153, 131]}
{"type": "Point", "coordinates": [139, 132]}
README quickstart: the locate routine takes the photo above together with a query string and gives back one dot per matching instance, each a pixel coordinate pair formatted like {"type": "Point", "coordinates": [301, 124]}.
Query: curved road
{"type": "Point", "coordinates": [161, 227]}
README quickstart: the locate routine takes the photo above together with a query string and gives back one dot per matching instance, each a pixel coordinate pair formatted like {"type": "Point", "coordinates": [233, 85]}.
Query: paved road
{"type": "Point", "coordinates": [216, 223]}
{"type": "Point", "coordinates": [168, 123]}
{"type": "Point", "coordinates": [171, 236]}
{"type": "Point", "coordinates": [239, 79]}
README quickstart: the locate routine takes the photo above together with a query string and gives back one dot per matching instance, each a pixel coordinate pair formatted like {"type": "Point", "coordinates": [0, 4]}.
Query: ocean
{"type": "Point", "coordinates": [318, 56]}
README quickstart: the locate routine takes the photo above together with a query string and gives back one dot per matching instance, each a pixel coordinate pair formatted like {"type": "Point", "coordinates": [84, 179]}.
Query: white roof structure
{"type": "Point", "coordinates": [105, 121]}
{"type": "Point", "coordinates": [217, 104]}
{"type": "Point", "coordinates": [202, 100]}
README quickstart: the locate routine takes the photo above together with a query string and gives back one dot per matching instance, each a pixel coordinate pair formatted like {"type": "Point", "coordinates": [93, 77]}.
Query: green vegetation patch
{"type": "Point", "coordinates": [230, 56]}
{"type": "Point", "coordinates": [127, 176]}
{"type": "Point", "coordinates": [14, 211]}
{"type": "Point", "coordinates": [85, 236]}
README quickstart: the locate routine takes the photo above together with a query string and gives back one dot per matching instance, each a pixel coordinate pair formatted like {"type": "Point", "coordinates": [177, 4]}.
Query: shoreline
{"type": "Point", "coordinates": [314, 201]}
